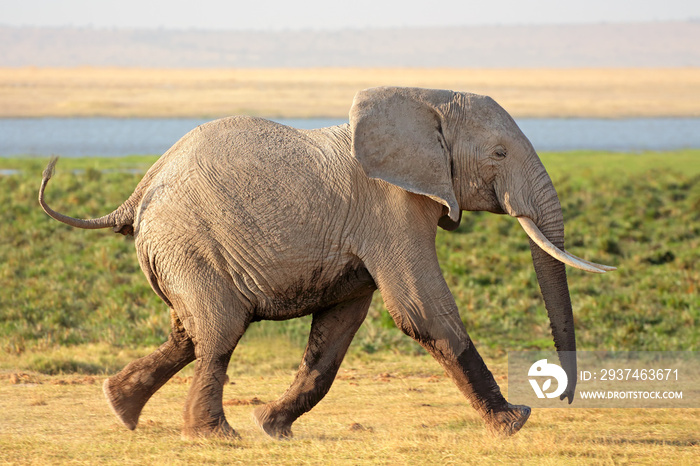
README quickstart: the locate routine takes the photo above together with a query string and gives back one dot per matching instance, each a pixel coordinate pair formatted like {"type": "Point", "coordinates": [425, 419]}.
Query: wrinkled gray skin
{"type": "Point", "coordinates": [244, 219]}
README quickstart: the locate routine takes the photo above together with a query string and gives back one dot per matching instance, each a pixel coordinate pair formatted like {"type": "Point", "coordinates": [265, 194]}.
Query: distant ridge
{"type": "Point", "coordinates": [657, 44]}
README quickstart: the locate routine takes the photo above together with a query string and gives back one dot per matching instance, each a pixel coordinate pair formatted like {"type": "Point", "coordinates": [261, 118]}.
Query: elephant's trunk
{"type": "Point", "coordinates": [547, 236]}
{"type": "Point", "coordinates": [551, 275]}
{"type": "Point", "coordinates": [546, 231]}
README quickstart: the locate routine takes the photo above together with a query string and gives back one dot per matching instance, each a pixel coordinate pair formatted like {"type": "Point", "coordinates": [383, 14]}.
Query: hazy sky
{"type": "Point", "coordinates": [325, 14]}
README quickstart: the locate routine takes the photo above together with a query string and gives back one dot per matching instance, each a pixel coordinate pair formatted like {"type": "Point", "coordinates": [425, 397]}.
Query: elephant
{"type": "Point", "coordinates": [245, 219]}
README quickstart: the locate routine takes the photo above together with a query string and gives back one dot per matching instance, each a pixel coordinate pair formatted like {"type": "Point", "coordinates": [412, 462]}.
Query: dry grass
{"type": "Point", "coordinates": [383, 409]}
{"type": "Point", "coordinates": [32, 92]}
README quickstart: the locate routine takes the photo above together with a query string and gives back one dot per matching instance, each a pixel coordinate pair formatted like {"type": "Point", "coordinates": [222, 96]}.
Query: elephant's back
{"type": "Point", "coordinates": [244, 158]}
{"type": "Point", "coordinates": [257, 167]}
{"type": "Point", "coordinates": [242, 176]}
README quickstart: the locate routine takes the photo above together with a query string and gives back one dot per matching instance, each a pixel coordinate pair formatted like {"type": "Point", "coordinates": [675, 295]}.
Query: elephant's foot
{"type": "Point", "coordinates": [508, 421]}
{"type": "Point", "coordinates": [126, 406]}
{"type": "Point", "coordinates": [274, 425]}
{"type": "Point", "coordinates": [218, 429]}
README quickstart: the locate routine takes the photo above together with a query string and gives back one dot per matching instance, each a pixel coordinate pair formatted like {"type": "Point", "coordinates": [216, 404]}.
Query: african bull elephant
{"type": "Point", "coordinates": [245, 219]}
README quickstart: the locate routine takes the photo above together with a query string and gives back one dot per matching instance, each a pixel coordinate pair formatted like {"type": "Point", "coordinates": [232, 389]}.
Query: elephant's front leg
{"type": "Point", "coordinates": [469, 372]}
{"type": "Point", "coordinates": [332, 331]}
{"type": "Point", "coordinates": [422, 306]}
{"type": "Point", "coordinates": [128, 391]}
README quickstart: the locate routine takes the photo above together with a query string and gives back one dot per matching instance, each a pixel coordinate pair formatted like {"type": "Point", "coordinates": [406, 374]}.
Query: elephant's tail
{"type": "Point", "coordinates": [121, 220]}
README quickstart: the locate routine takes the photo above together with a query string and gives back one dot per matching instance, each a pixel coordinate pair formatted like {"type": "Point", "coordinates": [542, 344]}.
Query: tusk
{"type": "Point", "coordinates": [566, 257]}
{"type": "Point", "coordinates": [606, 268]}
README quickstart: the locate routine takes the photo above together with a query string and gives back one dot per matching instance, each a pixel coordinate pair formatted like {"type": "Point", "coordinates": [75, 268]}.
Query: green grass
{"type": "Point", "coordinates": [63, 287]}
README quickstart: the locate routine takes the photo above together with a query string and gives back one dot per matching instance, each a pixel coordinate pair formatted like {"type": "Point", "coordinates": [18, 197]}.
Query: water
{"type": "Point", "coordinates": [75, 137]}
{"type": "Point", "coordinates": [624, 135]}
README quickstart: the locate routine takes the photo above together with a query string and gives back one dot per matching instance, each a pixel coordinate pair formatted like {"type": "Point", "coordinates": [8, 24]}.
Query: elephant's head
{"type": "Point", "coordinates": [465, 152]}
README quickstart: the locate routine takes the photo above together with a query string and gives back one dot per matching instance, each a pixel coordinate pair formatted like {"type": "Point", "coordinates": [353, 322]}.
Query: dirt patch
{"type": "Point", "coordinates": [18, 378]}
{"type": "Point", "coordinates": [87, 380]}
{"type": "Point", "coordinates": [23, 378]}
{"type": "Point", "coordinates": [357, 427]}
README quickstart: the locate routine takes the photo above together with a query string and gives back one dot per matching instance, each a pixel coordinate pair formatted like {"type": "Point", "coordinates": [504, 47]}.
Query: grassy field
{"type": "Point", "coordinates": [125, 92]}
{"type": "Point", "coordinates": [74, 307]}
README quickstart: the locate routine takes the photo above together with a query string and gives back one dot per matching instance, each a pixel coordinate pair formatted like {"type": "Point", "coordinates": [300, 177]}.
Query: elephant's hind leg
{"type": "Point", "coordinates": [128, 391]}
{"type": "Point", "coordinates": [216, 325]}
{"type": "Point", "coordinates": [331, 333]}
{"type": "Point", "coordinates": [204, 412]}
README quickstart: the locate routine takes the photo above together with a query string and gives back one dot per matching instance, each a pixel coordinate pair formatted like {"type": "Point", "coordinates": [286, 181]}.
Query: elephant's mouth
{"type": "Point", "coordinates": [566, 257]}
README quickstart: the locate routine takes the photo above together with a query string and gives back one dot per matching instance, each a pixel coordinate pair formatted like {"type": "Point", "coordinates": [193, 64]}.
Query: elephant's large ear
{"type": "Point", "coordinates": [397, 137]}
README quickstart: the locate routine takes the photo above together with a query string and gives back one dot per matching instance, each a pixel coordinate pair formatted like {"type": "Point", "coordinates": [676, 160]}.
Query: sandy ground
{"type": "Point", "coordinates": [328, 92]}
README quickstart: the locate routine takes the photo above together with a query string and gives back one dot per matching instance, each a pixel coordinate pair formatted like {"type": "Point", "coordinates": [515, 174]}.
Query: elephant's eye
{"type": "Point", "coordinates": [500, 153]}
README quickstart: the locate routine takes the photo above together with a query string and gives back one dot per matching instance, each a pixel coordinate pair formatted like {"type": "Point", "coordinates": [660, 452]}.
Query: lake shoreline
{"type": "Point", "coordinates": [107, 136]}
